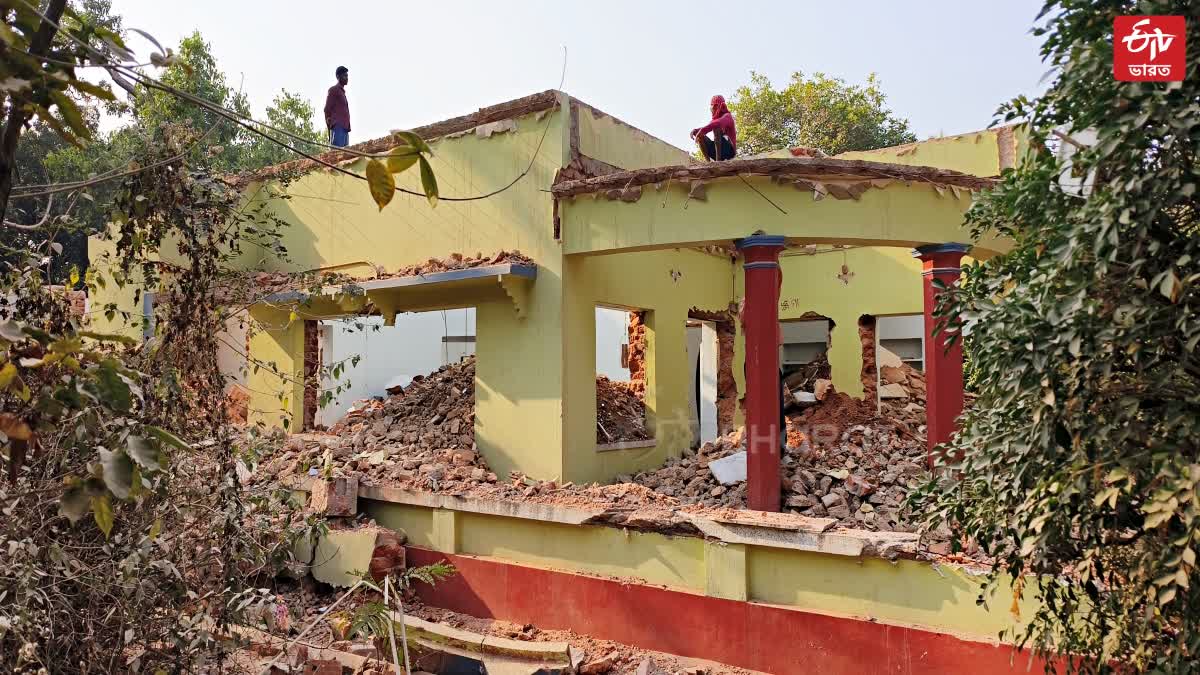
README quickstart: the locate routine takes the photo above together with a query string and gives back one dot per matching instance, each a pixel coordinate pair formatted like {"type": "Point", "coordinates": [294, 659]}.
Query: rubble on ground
{"type": "Point", "coordinates": [302, 603]}
{"type": "Point", "coordinates": [843, 461]}
{"type": "Point", "coordinates": [596, 656]}
{"type": "Point", "coordinates": [620, 413]}
{"type": "Point", "coordinates": [457, 261]}
{"type": "Point", "coordinates": [423, 436]}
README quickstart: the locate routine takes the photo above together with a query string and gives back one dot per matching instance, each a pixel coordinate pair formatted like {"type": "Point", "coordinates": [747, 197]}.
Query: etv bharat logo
{"type": "Point", "coordinates": [1149, 48]}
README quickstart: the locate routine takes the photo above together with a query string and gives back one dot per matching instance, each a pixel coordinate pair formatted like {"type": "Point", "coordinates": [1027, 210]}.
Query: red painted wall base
{"type": "Point", "coordinates": [750, 635]}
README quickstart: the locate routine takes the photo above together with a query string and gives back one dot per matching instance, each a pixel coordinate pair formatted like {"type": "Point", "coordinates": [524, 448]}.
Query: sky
{"type": "Point", "coordinates": [944, 65]}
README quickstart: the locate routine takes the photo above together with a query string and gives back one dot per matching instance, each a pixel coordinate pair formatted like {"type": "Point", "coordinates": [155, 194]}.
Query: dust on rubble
{"type": "Point", "coordinates": [843, 461]}
{"type": "Point", "coordinates": [620, 412]}
{"type": "Point", "coordinates": [266, 283]}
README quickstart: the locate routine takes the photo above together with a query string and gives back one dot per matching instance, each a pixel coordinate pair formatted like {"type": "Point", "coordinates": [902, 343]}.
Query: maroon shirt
{"type": "Point", "coordinates": [725, 123]}
{"type": "Point", "coordinates": [337, 108]}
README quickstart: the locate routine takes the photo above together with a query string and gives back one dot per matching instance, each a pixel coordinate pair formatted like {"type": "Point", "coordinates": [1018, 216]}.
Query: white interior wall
{"type": "Point", "coordinates": [694, 339]}
{"type": "Point", "coordinates": [709, 347]}
{"type": "Point", "coordinates": [612, 331]}
{"type": "Point", "coordinates": [389, 355]}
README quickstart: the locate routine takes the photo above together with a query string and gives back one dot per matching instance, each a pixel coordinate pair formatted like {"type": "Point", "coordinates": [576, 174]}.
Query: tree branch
{"type": "Point", "coordinates": [17, 115]}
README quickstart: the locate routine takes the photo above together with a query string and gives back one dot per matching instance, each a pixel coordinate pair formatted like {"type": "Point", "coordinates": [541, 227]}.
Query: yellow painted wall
{"type": "Point", "coordinates": [605, 138]}
{"type": "Point", "coordinates": [977, 153]}
{"type": "Point", "coordinates": [895, 215]}
{"type": "Point", "coordinates": [904, 592]}
{"type": "Point", "coordinates": [276, 377]}
{"type": "Point", "coordinates": [677, 562]}
{"type": "Point", "coordinates": [886, 281]}
{"type": "Point", "coordinates": [668, 284]}
{"type": "Point", "coordinates": [127, 320]}
{"type": "Point", "coordinates": [518, 376]}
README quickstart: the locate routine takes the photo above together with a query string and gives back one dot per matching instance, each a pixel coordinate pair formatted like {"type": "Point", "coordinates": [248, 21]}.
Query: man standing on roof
{"type": "Point", "coordinates": [337, 110]}
{"type": "Point", "coordinates": [723, 144]}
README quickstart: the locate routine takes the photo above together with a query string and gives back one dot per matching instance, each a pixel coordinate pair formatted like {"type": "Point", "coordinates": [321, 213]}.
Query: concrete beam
{"type": "Point", "coordinates": [893, 214]}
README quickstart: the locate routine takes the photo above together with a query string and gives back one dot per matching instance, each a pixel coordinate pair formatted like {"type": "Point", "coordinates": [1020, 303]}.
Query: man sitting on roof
{"type": "Point", "coordinates": [723, 144]}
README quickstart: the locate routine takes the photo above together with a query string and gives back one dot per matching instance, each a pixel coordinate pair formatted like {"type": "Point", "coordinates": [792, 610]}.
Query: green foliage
{"type": "Point", "coordinates": [194, 70]}
{"type": "Point", "coordinates": [46, 90]}
{"type": "Point", "coordinates": [1081, 455]}
{"type": "Point", "coordinates": [95, 425]}
{"type": "Point", "coordinates": [291, 113]}
{"type": "Point", "coordinates": [815, 111]}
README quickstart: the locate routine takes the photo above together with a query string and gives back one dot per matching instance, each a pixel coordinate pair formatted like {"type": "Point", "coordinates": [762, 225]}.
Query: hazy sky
{"type": "Point", "coordinates": [945, 65]}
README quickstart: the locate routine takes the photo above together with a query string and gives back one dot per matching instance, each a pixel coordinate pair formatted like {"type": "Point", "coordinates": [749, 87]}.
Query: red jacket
{"type": "Point", "coordinates": [721, 119]}
{"type": "Point", "coordinates": [337, 108]}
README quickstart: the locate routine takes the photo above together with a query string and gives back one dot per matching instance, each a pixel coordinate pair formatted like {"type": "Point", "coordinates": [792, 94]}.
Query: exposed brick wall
{"type": "Point", "coordinates": [637, 353]}
{"type": "Point", "coordinates": [312, 370]}
{"type": "Point", "coordinates": [870, 380]}
{"type": "Point", "coordinates": [727, 398]}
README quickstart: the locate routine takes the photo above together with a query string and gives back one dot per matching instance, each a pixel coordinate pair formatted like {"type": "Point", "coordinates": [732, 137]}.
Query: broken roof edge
{"type": "Point", "coordinates": [796, 167]}
{"type": "Point", "coordinates": [598, 113]}
{"type": "Point", "coordinates": [999, 130]}
{"type": "Point", "coordinates": [517, 107]}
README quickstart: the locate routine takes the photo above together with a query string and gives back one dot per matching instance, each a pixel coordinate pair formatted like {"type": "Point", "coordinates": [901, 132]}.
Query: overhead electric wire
{"type": "Point", "coordinates": [237, 118]}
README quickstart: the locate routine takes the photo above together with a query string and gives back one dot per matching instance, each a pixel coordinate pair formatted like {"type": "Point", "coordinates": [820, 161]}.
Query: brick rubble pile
{"type": "Point", "coordinates": [843, 461]}
{"type": "Point", "coordinates": [620, 413]}
{"type": "Point", "coordinates": [423, 436]}
{"type": "Point", "coordinates": [458, 261]}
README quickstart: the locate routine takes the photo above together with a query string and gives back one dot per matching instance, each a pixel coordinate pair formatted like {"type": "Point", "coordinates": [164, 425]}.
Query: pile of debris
{"type": "Point", "coordinates": [423, 435]}
{"type": "Point", "coordinates": [458, 261]}
{"type": "Point", "coordinates": [842, 461]}
{"type": "Point", "coordinates": [620, 413]}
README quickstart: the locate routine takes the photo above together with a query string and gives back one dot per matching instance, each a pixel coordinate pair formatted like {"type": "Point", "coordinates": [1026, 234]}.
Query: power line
{"type": "Point", "coordinates": [234, 116]}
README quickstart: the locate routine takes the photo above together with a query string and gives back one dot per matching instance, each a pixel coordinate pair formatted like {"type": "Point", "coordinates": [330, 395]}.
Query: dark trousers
{"type": "Point", "coordinates": [709, 148]}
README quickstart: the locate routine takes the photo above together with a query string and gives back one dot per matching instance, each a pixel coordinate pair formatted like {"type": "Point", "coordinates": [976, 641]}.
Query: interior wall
{"type": "Point", "coordinates": [276, 380]}
{"type": "Point", "coordinates": [877, 281]}
{"type": "Point", "coordinates": [667, 284]}
{"type": "Point", "coordinates": [611, 333]}
{"type": "Point", "coordinates": [389, 355]}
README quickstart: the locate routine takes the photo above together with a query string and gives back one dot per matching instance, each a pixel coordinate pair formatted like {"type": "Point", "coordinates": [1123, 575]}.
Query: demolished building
{"type": "Point", "coordinates": [611, 218]}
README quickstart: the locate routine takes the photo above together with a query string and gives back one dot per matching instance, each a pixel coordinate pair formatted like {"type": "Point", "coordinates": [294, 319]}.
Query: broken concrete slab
{"type": "Point", "coordinates": [729, 470]}
{"type": "Point", "coordinates": [854, 543]}
{"type": "Point", "coordinates": [498, 654]}
{"type": "Point", "coordinates": [342, 557]}
{"type": "Point", "coordinates": [334, 497]}
{"type": "Point", "coordinates": [342, 554]}
{"type": "Point", "coordinates": [568, 515]}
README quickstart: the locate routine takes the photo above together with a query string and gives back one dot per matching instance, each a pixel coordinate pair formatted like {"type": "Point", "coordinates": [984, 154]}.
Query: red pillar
{"type": "Point", "coordinates": [760, 323]}
{"type": "Point", "coordinates": [943, 366]}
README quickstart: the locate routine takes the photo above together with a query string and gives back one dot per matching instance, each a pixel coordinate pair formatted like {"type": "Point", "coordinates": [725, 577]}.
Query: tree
{"type": "Point", "coordinates": [293, 114]}
{"type": "Point", "coordinates": [819, 112]}
{"type": "Point", "coordinates": [1079, 463]}
{"type": "Point", "coordinates": [195, 71]}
